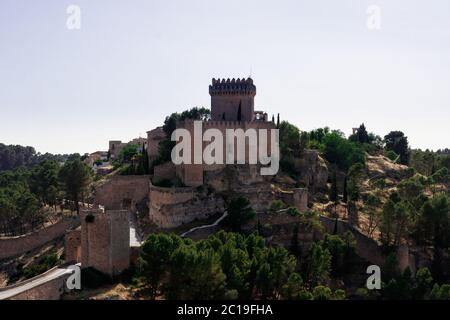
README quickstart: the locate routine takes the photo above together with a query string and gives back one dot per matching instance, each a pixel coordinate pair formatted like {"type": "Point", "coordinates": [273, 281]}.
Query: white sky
{"type": "Point", "coordinates": [134, 62]}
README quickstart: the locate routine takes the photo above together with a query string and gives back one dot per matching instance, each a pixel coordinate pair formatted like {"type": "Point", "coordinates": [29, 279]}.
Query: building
{"type": "Point", "coordinates": [232, 107]}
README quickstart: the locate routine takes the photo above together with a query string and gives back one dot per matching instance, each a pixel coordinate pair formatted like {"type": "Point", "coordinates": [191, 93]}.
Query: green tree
{"type": "Point", "coordinates": [155, 258]}
{"type": "Point", "coordinates": [342, 250]}
{"type": "Point", "coordinates": [334, 189]}
{"type": "Point", "coordinates": [361, 135]}
{"type": "Point", "coordinates": [397, 141]}
{"type": "Point", "coordinates": [44, 181]}
{"type": "Point", "coordinates": [239, 212]}
{"type": "Point", "coordinates": [75, 177]}
{"type": "Point", "coordinates": [318, 266]}
{"type": "Point", "coordinates": [294, 288]}
{"type": "Point", "coordinates": [354, 179]}
{"type": "Point", "coordinates": [339, 150]}
{"type": "Point", "coordinates": [195, 274]}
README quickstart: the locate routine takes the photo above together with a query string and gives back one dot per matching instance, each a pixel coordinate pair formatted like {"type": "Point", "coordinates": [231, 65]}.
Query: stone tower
{"type": "Point", "coordinates": [228, 96]}
{"type": "Point", "coordinates": [105, 240]}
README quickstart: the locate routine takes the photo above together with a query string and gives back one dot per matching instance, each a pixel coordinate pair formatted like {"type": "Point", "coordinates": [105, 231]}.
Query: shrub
{"type": "Point", "coordinates": [391, 155]}
{"type": "Point", "coordinates": [277, 205]}
{"type": "Point", "coordinates": [293, 211]}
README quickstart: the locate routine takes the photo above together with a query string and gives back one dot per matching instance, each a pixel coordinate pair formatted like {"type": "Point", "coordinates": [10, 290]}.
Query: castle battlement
{"type": "Point", "coordinates": [232, 87]}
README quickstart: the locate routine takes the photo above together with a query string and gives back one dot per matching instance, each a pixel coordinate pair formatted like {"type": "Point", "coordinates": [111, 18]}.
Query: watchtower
{"type": "Point", "coordinates": [105, 240]}
{"type": "Point", "coordinates": [232, 100]}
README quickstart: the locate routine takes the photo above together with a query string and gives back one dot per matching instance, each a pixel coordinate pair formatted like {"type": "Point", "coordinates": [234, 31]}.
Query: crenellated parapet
{"type": "Point", "coordinates": [232, 87]}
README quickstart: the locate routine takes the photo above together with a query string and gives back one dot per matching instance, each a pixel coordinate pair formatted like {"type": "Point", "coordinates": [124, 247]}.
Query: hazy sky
{"type": "Point", "coordinates": [133, 62]}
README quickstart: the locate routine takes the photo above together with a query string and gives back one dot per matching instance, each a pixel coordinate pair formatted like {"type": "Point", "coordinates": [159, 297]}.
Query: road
{"type": "Point", "coordinates": [206, 225]}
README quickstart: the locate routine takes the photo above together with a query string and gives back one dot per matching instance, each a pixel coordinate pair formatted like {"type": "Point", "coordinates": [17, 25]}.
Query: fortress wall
{"type": "Point", "coordinates": [165, 171]}
{"type": "Point", "coordinates": [105, 240]}
{"type": "Point", "coordinates": [50, 290]}
{"type": "Point", "coordinates": [114, 192]}
{"type": "Point", "coordinates": [14, 246]}
{"type": "Point", "coordinates": [160, 196]}
{"type": "Point", "coordinates": [366, 247]}
{"type": "Point", "coordinates": [72, 246]}
{"type": "Point", "coordinates": [172, 207]}
{"type": "Point", "coordinates": [192, 174]}
{"type": "Point", "coordinates": [153, 138]}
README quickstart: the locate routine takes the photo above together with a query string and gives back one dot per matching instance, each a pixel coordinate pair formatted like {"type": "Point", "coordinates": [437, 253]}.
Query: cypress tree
{"type": "Point", "coordinates": [239, 113]}
{"type": "Point", "coordinates": [334, 192]}
{"type": "Point", "coordinates": [345, 190]}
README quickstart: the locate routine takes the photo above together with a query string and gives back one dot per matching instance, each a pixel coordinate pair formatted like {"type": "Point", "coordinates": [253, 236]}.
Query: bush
{"type": "Point", "coordinates": [321, 293]}
{"type": "Point", "coordinates": [277, 205]}
{"type": "Point", "coordinates": [293, 211]}
{"type": "Point", "coordinates": [391, 155]}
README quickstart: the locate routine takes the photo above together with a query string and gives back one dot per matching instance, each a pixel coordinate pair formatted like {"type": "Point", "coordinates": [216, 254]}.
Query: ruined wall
{"type": "Point", "coordinates": [300, 197]}
{"type": "Point", "coordinates": [72, 246]}
{"type": "Point", "coordinates": [153, 138]}
{"type": "Point", "coordinates": [366, 247]}
{"type": "Point", "coordinates": [15, 246]}
{"type": "Point", "coordinates": [172, 207]}
{"type": "Point", "coordinates": [122, 192]}
{"type": "Point", "coordinates": [105, 240]}
{"type": "Point", "coordinates": [369, 249]}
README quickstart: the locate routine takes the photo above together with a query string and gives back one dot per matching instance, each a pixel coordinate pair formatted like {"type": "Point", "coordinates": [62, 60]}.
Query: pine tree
{"type": "Point", "coordinates": [278, 120]}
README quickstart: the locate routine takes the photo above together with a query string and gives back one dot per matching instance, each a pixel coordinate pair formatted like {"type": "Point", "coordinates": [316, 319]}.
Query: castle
{"type": "Point", "coordinates": [232, 107]}
{"type": "Point", "coordinates": [198, 196]}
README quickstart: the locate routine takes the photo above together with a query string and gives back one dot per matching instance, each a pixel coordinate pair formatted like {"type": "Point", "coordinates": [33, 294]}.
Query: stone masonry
{"type": "Point", "coordinates": [105, 240]}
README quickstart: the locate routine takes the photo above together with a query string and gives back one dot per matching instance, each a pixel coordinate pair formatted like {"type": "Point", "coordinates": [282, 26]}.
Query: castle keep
{"type": "Point", "coordinates": [232, 100]}
{"type": "Point", "coordinates": [232, 107]}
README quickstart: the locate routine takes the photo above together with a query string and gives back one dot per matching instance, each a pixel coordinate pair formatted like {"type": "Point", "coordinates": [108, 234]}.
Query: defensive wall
{"type": "Point", "coordinates": [122, 192]}
{"type": "Point", "coordinates": [11, 247]}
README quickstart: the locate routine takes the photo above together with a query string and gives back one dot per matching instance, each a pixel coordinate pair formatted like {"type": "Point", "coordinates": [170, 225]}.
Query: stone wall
{"type": "Point", "coordinates": [122, 192]}
{"type": "Point", "coordinates": [72, 246]}
{"type": "Point", "coordinates": [300, 197]}
{"type": "Point", "coordinates": [154, 137]}
{"type": "Point", "coordinates": [369, 249]}
{"type": "Point", "coordinates": [172, 207]}
{"type": "Point", "coordinates": [48, 290]}
{"type": "Point", "coordinates": [227, 96]}
{"type": "Point", "coordinates": [105, 240]}
{"type": "Point", "coordinates": [366, 247]}
{"type": "Point", "coordinates": [192, 174]}
{"type": "Point", "coordinates": [165, 171]}
{"type": "Point", "coordinates": [14, 246]}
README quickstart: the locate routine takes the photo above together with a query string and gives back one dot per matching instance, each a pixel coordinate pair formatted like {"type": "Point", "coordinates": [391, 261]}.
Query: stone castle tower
{"type": "Point", "coordinates": [232, 100]}
{"type": "Point", "coordinates": [105, 240]}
